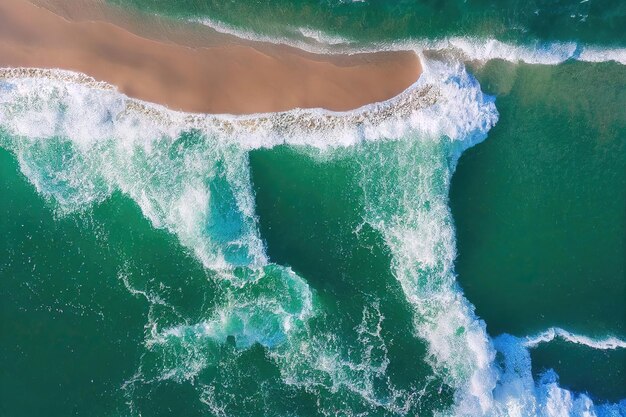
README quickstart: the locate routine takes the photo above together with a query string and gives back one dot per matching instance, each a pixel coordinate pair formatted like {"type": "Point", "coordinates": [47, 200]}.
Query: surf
{"type": "Point", "coordinates": [465, 48]}
{"type": "Point", "coordinates": [78, 141]}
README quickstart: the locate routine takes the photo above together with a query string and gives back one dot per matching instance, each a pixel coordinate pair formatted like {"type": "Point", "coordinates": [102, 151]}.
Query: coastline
{"type": "Point", "coordinates": [225, 77]}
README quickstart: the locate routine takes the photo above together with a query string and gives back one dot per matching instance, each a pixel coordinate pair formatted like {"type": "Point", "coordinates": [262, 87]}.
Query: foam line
{"type": "Point", "coordinates": [305, 38]}
{"type": "Point", "coordinates": [547, 53]}
{"type": "Point", "coordinates": [467, 48]}
{"type": "Point", "coordinates": [435, 105]}
{"type": "Point", "coordinates": [608, 343]}
{"type": "Point", "coordinates": [518, 394]}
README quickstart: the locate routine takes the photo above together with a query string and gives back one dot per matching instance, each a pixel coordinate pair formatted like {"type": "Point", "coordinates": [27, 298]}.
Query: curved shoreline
{"type": "Point", "coordinates": [248, 130]}
{"type": "Point", "coordinates": [222, 78]}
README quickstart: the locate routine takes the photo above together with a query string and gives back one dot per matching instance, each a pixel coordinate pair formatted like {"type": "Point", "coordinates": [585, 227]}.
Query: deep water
{"type": "Point", "coordinates": [540, 214]}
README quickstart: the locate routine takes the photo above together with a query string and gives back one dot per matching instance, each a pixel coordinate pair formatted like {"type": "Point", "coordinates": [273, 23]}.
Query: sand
{"type": "Point", "coordinates": [224, 77]}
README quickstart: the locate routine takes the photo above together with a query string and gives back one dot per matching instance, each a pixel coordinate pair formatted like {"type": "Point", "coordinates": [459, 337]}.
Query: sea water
{"type": "Point", "coordinates": [320, 263]}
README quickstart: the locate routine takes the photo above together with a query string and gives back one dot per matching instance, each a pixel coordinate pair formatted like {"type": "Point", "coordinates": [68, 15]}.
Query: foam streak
{"type": "Point", "coordinates": [466, 48]}
{"type": "Point", "coordinates": [608, 343]}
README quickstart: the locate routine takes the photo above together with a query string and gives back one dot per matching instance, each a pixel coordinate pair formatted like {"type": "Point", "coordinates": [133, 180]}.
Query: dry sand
{"type": "Point", "coordinates": [227, 77]}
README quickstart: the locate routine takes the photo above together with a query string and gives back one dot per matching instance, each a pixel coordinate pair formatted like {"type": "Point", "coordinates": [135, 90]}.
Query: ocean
{"type": "Point", "coordinates": [459, 250]}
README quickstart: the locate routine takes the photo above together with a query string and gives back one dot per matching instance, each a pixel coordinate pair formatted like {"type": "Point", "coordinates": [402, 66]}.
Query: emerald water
{"type": "Point", "coordinates": [379, 20]}
{"type": "Point", "coordinates": [539, 210]}
{"type": "Point", "coordinates": [460, 255]}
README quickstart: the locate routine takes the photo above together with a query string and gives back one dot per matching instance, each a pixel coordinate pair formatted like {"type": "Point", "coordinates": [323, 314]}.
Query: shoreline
{"type": "Point", "coordinates": [227, 77]}
{"type": "Point", "coordinates": [294, 126]}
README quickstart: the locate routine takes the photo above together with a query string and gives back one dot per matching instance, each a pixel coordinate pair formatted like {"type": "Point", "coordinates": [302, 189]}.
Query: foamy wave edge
{"type": "Point", "coordinates": [443, 101]}
{"type": "Point", "coordinates": [297, 126]}
{"type": "Point", "coordinates": [466, 48]}
{"type": "Point", "coordinates": [553, 333]}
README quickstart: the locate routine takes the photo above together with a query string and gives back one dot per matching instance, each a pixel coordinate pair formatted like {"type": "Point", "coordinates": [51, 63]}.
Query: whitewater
{"type": "Point", "coordinates": [78, 141]}
{"type": "Point", "coordinates": [462, 48]}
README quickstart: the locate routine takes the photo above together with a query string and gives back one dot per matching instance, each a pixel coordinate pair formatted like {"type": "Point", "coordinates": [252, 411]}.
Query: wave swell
{"type": "Point", "coordinates": [465, 48]}
{"type": "Point", "coordinates": [609, 343]}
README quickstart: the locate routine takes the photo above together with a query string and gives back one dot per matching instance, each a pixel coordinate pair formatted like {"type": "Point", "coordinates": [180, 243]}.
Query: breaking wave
{"type": "Point", "coordinates": [78, 141]}
{"type": "Point", "coordinates": [464, 48]}
{"type": "Point", "coordinates": [609, 343]}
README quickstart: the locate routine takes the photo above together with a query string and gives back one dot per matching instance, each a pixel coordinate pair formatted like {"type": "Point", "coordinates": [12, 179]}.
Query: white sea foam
{"type": "Point", "coordinates": [442, 102]}
{"type": "Point", "coordinates": [609, 343]}
{"type": "Point", "coordinates": [265, 310]}
{"type": "Point", "coordinates": [313, 361]}
{"type": "Point", "coordinates": [135, 147]}
{"type": "Point", "coordinates": [304, 38]}
{"type": "Point", "coordinates": [111, 142]}
{"type": "Point", "coordinates": [319, 362]}
{"type": "Point", "coordinates": [406, 201]}
{"type": "Point", "coordinates": [466, 48]}
{"type": "Point", "coordinates": [547, 53]}
{"type": "Point", "coordinates": [517, 394]}
{"type": "Point", "coordinates": [78, 140]}
{"type": "Point", "coordinates": [603, 55]}
{"type": "Point", "coordinates": [322, 38]}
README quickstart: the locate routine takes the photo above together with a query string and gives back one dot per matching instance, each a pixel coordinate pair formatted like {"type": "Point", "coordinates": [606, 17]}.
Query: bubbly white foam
{"type": "Point", "coordinates": [78, 140]}
{"type": "Point", "coordinates": [603, 55]}
{"type": "Point", "coordinates": [517, 394]}
{"type": "Point", "coordinates": [112, 142]}
{"type": "Point", "coordinates": [265, 310]}
{"type": "Point", "coordinates": [406, 202]}
{"type": "Point", "coordinates": [319, 362]}
{"type": "Point", "coordinates": [466, 48]}
{"type": "Point", "coordinates": [322, 38]}
{"type": "Point", "coordinates": [313, 361]}
{"type": "Point", "coordinates": [304, 38]}
{"type": "Point", "coordinates": [609, 343]}
{"type": "Point", "coordinates": [442, 102]}
{"type": "Point", "coordinates": [547, 53]}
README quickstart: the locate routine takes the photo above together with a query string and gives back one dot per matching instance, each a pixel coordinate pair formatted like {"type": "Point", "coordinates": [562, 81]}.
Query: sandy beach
{"type": "Point", "coordinates": [225, 77]}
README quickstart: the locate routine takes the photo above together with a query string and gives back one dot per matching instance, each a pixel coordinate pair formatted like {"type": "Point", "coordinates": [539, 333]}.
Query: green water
{"type": "Point", "coordinates": [313, 222]}
{"type": "Point", "coordinates": [598, 372]}
{"type": "Point", "coordinates": [77, 329]}
{"type": "Point", "coordinates": [382, 20]}
{"type": "Point", "coordinates": [147, 271]}
{"type": "Point", "coordinates": [540, 211]}
{"type": "Point", "coordinates": [71, 328]}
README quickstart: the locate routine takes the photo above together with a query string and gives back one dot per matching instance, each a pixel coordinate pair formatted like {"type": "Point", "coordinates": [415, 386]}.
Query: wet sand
{"type": "Point", "coordinates": [224, 77]}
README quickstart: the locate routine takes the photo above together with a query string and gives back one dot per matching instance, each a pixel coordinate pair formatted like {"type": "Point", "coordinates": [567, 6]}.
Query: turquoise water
{"type": "Point", "coordinates": [462, 257]}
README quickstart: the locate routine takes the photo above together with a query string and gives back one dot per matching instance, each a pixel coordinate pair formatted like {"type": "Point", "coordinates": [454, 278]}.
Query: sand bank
{"type": "Point", "coordinates": [225, 77]}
